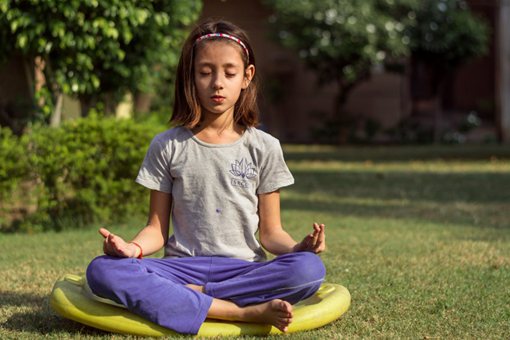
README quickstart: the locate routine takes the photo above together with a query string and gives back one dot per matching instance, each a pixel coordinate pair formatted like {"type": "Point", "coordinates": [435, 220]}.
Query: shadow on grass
{"type": "Point", "coordinates": [482, 187]}
{"type": "Point", "coordinates": [39, 319]}
{"type": "Point", "coordinates": [435, 214]}
{"type": "Point", "coordinates": [397, 153]}
{"type": "Point", "coordinates": [20, 299]}
{"type": "Point", "coordinates": [471, 199]}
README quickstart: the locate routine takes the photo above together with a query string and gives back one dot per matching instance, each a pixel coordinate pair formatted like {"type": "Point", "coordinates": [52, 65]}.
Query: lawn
{"type": "Point", "coordinates": [419, 235]}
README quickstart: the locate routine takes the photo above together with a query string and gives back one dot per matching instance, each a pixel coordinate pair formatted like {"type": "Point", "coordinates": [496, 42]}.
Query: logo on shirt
{"type": "Point", "coordinates": [243, 171]}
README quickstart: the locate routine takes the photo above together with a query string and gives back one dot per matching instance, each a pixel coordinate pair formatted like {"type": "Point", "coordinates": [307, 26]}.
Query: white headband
{"type": "Point", "coordinates": [224, 35]}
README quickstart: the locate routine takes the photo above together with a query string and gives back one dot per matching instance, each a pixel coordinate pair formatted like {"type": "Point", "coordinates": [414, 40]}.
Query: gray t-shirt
{"type": "Point", "coordinates": [214, 190]}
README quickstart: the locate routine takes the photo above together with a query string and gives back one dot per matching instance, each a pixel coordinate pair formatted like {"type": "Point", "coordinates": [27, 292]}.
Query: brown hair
{"type": "Point", "coordinates": [187, 110]}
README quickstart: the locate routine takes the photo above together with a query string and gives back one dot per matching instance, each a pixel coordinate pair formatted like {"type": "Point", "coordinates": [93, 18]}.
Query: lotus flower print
{"type": "Point", "coordinates": [243, 169]}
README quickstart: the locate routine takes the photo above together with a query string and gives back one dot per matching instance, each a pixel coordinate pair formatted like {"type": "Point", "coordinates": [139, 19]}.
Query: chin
{"type": "Point", "coordinates": [217, 111]}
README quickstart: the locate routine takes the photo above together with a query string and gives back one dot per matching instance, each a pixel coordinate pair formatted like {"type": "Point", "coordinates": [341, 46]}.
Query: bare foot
{"type": "Point", "coordinates": [276, 312]}
{"type": "Point", "coordinates": [196, 288]}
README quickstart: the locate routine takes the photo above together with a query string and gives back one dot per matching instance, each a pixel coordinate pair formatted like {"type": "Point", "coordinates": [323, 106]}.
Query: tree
{"type": "Point", "coordinates": [97, 50]}
{"type": "Point", "coordinates": [340, 39]}
{"type": "Point", "coordinates": [443, 35]}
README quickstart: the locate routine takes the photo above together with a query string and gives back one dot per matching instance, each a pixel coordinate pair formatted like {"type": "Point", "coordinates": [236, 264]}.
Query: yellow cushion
{"type": "Point", "coordinates": [71, 299]}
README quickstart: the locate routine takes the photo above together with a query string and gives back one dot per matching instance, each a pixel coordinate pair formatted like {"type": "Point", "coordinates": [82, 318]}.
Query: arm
{"type": "Point", "coordinates": [151, 238]}
{"type": "Point", "coordinates": [275, 239]}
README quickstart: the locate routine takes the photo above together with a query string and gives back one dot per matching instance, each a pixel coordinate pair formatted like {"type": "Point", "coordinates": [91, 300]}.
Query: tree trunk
{"type": "Point", "coordinates": [143, 102]}
{"type": "Point", "coordinates": [344, 120]}
{"type": "Point", "coordinates": [428, 78]}
{"type": "Point", "coordinates": [56, 116]}
{"type": "Point", "coordinates": [29, 75]}
{"type": "Point", "coordinates": [340, 119]}
{"type": "Point", "coordinates": [86, 103]}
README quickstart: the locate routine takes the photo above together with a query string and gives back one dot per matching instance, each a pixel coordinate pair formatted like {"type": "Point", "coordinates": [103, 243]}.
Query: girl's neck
{"type": "Point", "coordinates": [223, 122]}
{"type": "Point", "coordinates": [218, 130]}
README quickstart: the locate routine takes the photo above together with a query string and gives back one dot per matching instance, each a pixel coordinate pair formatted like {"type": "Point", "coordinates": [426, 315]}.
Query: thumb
{"type": "Point", "coordinates": [104, 232]}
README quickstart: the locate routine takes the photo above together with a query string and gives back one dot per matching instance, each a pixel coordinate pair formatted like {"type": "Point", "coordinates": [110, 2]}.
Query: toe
{"type": "Point", "coordinates": [288, 307]}
{"type": "Point", "coordinates": [283, 328]}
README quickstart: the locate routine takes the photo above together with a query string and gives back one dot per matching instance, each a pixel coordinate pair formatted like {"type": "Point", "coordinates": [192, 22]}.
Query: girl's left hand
{"type": "Point", "coordinates": [114, 245]}
{"type": "Point", "coordinates": [314, 242]}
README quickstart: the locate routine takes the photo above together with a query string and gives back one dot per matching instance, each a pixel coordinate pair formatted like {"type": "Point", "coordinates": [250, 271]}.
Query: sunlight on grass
{"type": "Point", "coordinates": [420, 237]}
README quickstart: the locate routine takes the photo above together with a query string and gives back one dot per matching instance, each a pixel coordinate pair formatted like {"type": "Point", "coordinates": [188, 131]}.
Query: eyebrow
{"type": "Point", "coordinates": [226, 65]}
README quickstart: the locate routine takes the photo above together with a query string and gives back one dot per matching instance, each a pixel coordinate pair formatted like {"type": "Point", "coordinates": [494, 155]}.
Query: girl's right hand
{"type": "Point", "coordinates": [314, 242]}
{"type": "Point", "coordinates": [114, 245]}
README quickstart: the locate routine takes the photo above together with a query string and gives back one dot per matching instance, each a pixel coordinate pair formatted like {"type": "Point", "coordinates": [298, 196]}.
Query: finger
{"type": "Point", "coordinates": [318, 230]}
{"type": "Point", "coordinates": [104, 232]}
{"type": "Point", "coordinates": [111, 243]}
{"type": "Point", "coordinates": [116, 243]}
{"type": "Point", "coordinates": [315, 234]}
{"type": "Point", "coordinates": [321, 240]}
{"type": "Point", "coordinates": [119, 245]}
{"type": "Point", "coordinates": [316, 227]}
{"type": "Point", "coordinates": [322, 234]}
{"type": "Point", "coordinates": [319, 247]}
{"type": "Point", "coordinates": [305, 243]}
{"type": "Point", "coordinates": [107, 248]}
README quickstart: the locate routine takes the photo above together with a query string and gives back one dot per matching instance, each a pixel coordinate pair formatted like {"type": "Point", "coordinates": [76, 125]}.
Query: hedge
{"type": "Point", "coordinates": [73, 176]}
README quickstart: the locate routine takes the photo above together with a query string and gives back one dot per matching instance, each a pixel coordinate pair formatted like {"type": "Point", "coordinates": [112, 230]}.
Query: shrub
{"type": "Point", "coordinates": [84, 172]}
{"type": "Point", "coordinates": [13, 170]}
{"type": "Point", "coordinates": [13, 166]}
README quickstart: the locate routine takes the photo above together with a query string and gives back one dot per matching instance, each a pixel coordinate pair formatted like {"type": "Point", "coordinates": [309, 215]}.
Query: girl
{"type": "Point", "coordinates": [218, 178]}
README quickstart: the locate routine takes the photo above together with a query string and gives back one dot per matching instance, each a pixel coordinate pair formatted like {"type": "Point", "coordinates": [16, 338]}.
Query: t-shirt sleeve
{"type": "Point", "coordinates": [155, 170]}
{"type": "Point", "coordinates": [274, 173]}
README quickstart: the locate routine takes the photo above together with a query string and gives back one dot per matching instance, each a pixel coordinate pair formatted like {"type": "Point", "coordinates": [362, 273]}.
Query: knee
{"type": "Point", "coordinates": [305, 268]}
{"type": "Point", "coordinates": [101, 275]}
{"type": "Point", "coordinates": [97, 273]}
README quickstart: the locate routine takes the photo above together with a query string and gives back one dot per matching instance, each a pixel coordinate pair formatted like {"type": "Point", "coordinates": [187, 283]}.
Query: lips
{"type": "Point", "coordinates": [218, 99]}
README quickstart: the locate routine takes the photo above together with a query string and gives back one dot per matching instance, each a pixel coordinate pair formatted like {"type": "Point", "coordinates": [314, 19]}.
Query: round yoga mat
{"type": "Point", "coordinates": [71, 299]}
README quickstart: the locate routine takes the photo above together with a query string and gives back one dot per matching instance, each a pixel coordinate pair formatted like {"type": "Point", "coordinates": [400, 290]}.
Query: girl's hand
{"type": "Point", "coordinates": [114, 245]}
{"type": "Point", "coordinates": [314, 242]}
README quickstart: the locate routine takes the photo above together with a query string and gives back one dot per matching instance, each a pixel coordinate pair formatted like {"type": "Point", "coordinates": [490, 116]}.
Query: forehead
{"type": "Point", "coordinates": [218, 51]}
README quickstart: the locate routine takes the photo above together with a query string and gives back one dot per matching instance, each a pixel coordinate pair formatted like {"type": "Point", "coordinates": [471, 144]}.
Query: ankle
{"type": "Point", "coordinates": [196, 288]}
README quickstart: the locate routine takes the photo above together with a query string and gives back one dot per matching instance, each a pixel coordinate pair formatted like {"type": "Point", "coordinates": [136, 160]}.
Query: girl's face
{"type": "Point", "coordinates": [220, 76]}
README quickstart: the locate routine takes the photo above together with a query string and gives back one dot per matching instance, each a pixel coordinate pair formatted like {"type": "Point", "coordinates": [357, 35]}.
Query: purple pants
{"type": "Point", "coordinates": [154, 288]}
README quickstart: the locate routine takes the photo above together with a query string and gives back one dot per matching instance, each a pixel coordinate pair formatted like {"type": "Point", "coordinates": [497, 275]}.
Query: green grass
{"type": "Point", "coordinates": [419, 235]}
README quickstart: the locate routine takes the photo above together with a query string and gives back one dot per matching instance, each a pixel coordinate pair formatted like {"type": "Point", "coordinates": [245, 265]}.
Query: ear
{"type": "Point", "coordinates": [249, 73]}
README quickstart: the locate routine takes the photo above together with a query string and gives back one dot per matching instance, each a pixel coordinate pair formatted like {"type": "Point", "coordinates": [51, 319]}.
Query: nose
{"type": "Point", "coordinates": [217, 82]}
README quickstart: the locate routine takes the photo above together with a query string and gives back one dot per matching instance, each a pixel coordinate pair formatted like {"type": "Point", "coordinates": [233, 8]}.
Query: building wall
{"type": "Point", "coordinates": [474, 85]}
{"type": "Point", "coordinates": [502, 73]}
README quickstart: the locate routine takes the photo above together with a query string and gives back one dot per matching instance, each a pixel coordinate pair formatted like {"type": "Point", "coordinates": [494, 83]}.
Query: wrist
{"type": "Point", "coordinates": [138, 250]}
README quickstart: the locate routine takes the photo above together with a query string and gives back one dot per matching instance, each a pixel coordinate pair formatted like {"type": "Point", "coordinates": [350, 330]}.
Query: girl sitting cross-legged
{"type": "Point", "coordinates": [217, 178]}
